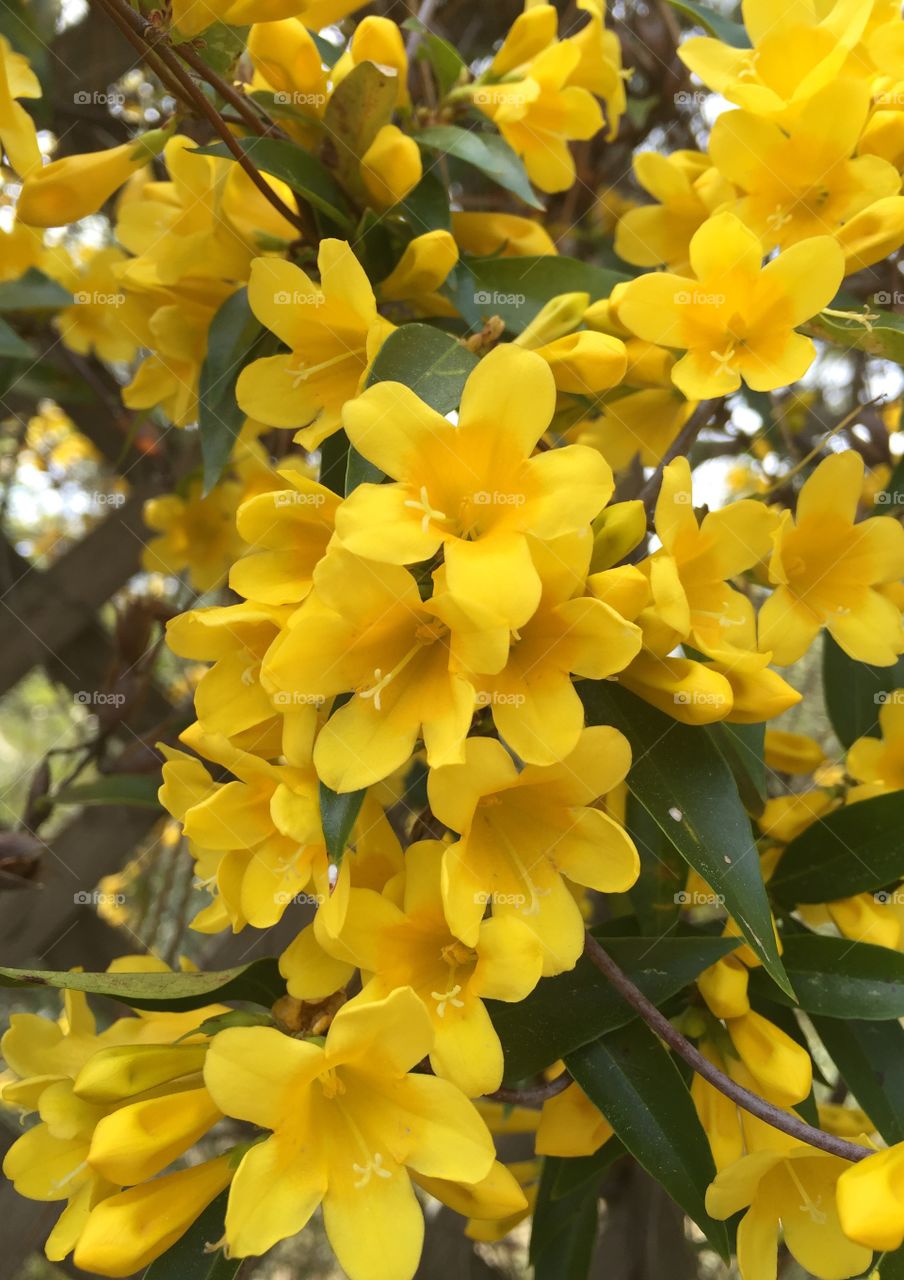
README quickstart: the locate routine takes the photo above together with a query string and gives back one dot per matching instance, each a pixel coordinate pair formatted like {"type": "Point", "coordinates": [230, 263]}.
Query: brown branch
{"type": "Point", "coordinates": [533, 1095]}
{"type": "Point", "coordinates": [752, 1102]}
{"type": "Point", "coordinates": [701, 417]}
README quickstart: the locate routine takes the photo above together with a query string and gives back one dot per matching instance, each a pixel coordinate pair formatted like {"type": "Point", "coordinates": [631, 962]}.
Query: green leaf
{"type": "Point", "coordinates": [683, 782]}
{"type": "Point", "coordinates": [222, 46]}
{"type": "Point", "coordinates": [298, 169]}
{"type": "Point", "coordinates": [114, 788]}
{"type": "Point", "coordinates": [334, 461]}
{"type": "Point", "coordinates": [576, 1171]}
{"type": "Point", "coordinates": [360, 105]}
{"type": "Point", "coordinates": [487, 152]}
{"type": "Point", "coordinates": [258, 982]}
{"type": "Point", "coordinates": [742, 748]}
{"type": "Point", "coordinates": [564, 1228]}
{"type": "Point", "coordinates": [856, 849]}
{"type": "Point", "coordinates": [639, 1089]}
{"type": "Point", "coordinates": [716, 24]}
{"type": "Point", "coordinates": [516, 288]}
{"type": "Point", "coordinates": [570, 1010]}
{"type": "Point", "coordinates": [838, 978]}
{"type": "Point", "coordinates": [231, 344]}
{"type": "Point", "coordinates": [338, 815]}
{"type": "Point", "coordinates": [33, 292]}
{"type": "Point", "coordinates": [870, 1059]}
{"type": "Point", "coordinates": [329, 53]}
{"type": "Point", "coordinates": [13, 347]}
{"type": "Point", "coordinates": [663, 872]}
{"type": "Point", "coordinates": [883, 336]}
{"type": "Point", "coordinates": [854, 692]}
{"type": "Point", "coordinates": [432, 363]}
{"type": "Point", "coordinates": [445, 60]}
{"type": "Point", "coordinates": [890, 1266]}
{"type": "Point", "coordinates": [426, 208]}
{"type": "Point", "coordinates": [188, 1260]}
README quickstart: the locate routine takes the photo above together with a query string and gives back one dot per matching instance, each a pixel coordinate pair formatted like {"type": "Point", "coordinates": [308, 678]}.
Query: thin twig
{"type": "Point", "coordinates": [700, 418]}
{"type": "Point", "coordinates": [532, 1096]}
{"type": "Point", "coordinates": [757, 1106]}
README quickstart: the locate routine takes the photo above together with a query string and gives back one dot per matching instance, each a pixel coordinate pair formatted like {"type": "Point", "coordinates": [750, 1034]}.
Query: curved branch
{"type": "Point", "coordinates": [533, 1095]}
{"type": "Point", "coordinates": [752, 1102]}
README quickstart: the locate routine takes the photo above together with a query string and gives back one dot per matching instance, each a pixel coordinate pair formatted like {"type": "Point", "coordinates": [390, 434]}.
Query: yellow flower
{"type": "Point", "coordinates": [804, 180]}
{"type": "Point", "coordinates": [878, 763]}
{"type": "Point", "coordinates": [287, 62]}
{"type": "Point", "coordinates": [287, 531]}
{"type": "Point", "coordinates": [411, 945]}
{"type": "Point", "coordinates": [365, 630]}
{"type": "Point", "coordinates": [349, 1124]}
{"type": "Point", "coordinates": [724, 988]}
{"type": "Point", "coordinates": [128, 1230]}
{"type": "Point", "coordinates": [100, 320]}
{"type": "Point", "coordinates": [792, 752]}
{"type": "Point", "coordinates": [196, 533]}
{"type": "Point", "coordinates": [829, 571]}
{"type": "Point", "coordinates": [521, 833]}
{"type": "Point", "coordinates": [793, 1189]}
{"type": "Point", "coordinates": [688, 189]}
{"type": "Point", "coordinates": [378, 40]}
{"type": "Point", "coordinates": [504, 234]}
{"type": "Point", "coordinates": [332, 331]}
{"type": "Point", "coordinates": [571, 1125]}
{"type": "Point", "coordinates": [422, 268]}
{"type": "Point", "coordinates": [780, 1066]}
{"type": "Point", "coordinates": [870, 1206]}
{"type": "Point", "coordinates": [391, 166]}
{"type": "Point", "coordinates": [68, 189]}
{"type": "Point", "coordinates": [641, 423]}
{"type": "Point", "coordinates": [736, 319]}
{"type": "Point", "coordinates": [471, 488]}
{"type": "Point", "coordinates": [17, 131]}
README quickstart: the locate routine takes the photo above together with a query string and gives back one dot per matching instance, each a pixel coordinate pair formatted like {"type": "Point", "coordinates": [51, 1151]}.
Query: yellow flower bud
{"type": "Point", "coordinates": [792, 752]}
{"type": "Point", "coordinates": [560, 315]}
{"type": "Point", "coordinates": [781, 1068]}
{"type": "Point", "coordinates": [586, 362]}
{"type": "Point", "coordinates": [872, 234]}
{"type": "Point", "coordinates": [617, 530]}
{"type": "Point", "coordinates": [870, 1202]}
{"type": "Point", "coordinates": [724, 988]}
{"type": "Point", "coordinates": [422, 268]}
{"type": "Point", "coordinates": [391, 166]}
{"type": "Point", "coordinates": [506, 234]}
{"type": "Point", "coordinates": [76, 186]}
{"type": "Point", "coordinates": [124, 1070]}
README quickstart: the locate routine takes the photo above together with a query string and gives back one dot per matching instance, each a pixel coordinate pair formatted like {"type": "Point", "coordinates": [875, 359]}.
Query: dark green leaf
{"type": "Point", "coordinates": [742, 747]}
{"type": "Point", "coordinates": [870, 1059]}
{"type": "Point", "coordinates": [329, 53]}
{"type": "Point", "coordinates": [487, 152]}
{"type": "Point", "coordinates": [839, 978]}
{"type": "Point", "coordinates": [890, 1265]}
{"type": "Point", "coordinates": [258, 982]}
{"type": "Point", "coordinates": [359, 471]}
{"type": "Point", "coordinates": [575, 1172]}
{"type": "Point", "coordinates": [222, 47]}
{"type": "Point", "coordinates": [854, 692]}
{"type": "Point", "coordinates": [445, 60]}
{"type": "Point", "coordinates": [432, 363]}
{"type": "Point", "coordinates": [230, 344]}
{"type": "Point", "coordinates": [334, 462]}
{"type": "Point", "coordinates": [856, 849]}
{"type": "Point", "coordinates": [33, 292]}
{"type": "Point", "coordinates": [426, 208]}
{"type": "Point", "coordinates": [516, 288]}
{"type": "Point", "coordinates": [640, 1091]}
{"type": "Point", "coordinates": [564, 1228]}
{"type": "Point", "coordinates": [114, 788]}
{"type": "Point", "coordinates": [715, 23]}
{"type": "Point", "coordinates": [298, 169]}
{"type": "Point", "coordinates": [188, 1258]}
{"type": "Point", "coordinates": [12, 346]}
{"type": "Point", "coordinates": [360, 105]}
{"type": "Point", "coordinates": [574, 1008]}
{"type": "Point", "coordinates": [338, 815]}
{"type": "Point", "coordinates": [683, 782]}
{"type": "Point", "coordinates": [663, 872]}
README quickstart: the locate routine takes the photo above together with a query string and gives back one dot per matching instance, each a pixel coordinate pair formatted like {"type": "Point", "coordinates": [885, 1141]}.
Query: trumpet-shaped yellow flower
{"type": "Point", "coordinates": [736, 318]}
{"type": "Point", "coordinates": [366, 631]}
{"type": "Point", "coordinates": [504, 234]}
{"type": "Point", "coordinates": [196, 533]}
{"type": "Point", "coordinates": [571, 1125]}
{"type": "Point", "coordinates": [829, 571]}
{"type": "Point", "coordinates": [688, 189]}
{"type": "Point", "coordinates": [806, 181]}
{"type": "Point", "coordinates": [17, 130]}
{"type": "Point", "coordinates": [472, 488]}
{"type": "Point", "coordinates": [422, 268]}
{"type": "Point", "coordinates": [878, 763]}
{"type": "Point", "coordinates": [391, 167]}
{"type": "Point", "coordinates": [332, 330]}
{"type": "Point", "coordinates": [793, 1189]}
{"type": "Point", "coordinates": [75, 186]}
{"type": "Point", "coordinates": [411, 945]}
{"type": "Point", "coordinates": [780, 1066]}
{"type": "Point", "coordinates": [349, 1125]}
{"type": "Point", "coordinates": [792, 752]}
{"type": "Point", "coordinates": [521, 833]}
{"type": "Point", "coordinates": [870, 1205]}
{"type": "Point", "coordinates": [378, 40]}
{"type": "Point", "coordinates": [287, 531]}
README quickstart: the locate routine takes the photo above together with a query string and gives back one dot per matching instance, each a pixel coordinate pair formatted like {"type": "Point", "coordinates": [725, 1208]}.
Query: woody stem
{"type": "Point", "coordinates": [752, 1102]}
{"type": "Point", "coordinates": [532, 1095]}
{"type": "Point", "coordinates": [700, 418]}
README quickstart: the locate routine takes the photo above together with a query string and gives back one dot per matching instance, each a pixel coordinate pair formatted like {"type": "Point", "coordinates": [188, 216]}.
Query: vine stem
{"type": "Point", "coordinates": [700, 418]}
{"type": "Point", "coordinates": [787, 1122]}
{"type": "Point", "coordinates": [532, 1095]}
{"type": "Point", "coordinates": [145, 37]}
